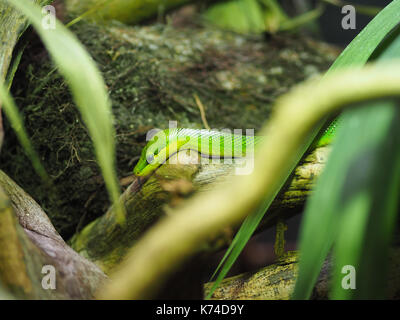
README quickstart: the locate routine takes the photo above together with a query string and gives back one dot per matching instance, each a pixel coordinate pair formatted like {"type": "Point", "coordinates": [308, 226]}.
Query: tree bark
{"type": "Point", "coordinates": [103, 241]}
{"type": "Point", "coordinates": [106, 243]}
{"type": "Point", "coordinates": [277, 281]}
{"type": "Point", "coordinates": [152, 74]}
{"type": "Point", "coordinates": [29, 242]}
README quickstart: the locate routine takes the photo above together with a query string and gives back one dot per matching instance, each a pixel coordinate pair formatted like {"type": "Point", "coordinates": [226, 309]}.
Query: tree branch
{"type": "Point", "coordinates": [276, 282]}
{"type": "Point", "coordinates": [29, 242]}
{"type": "Point", "coordinates": [106, 243]}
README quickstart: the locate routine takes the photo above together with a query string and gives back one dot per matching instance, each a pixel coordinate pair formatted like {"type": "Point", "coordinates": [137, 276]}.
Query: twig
{"type": "Point", "coordinates": [202, 111]}
{"type": "Point", "coordinates": [367, 10]}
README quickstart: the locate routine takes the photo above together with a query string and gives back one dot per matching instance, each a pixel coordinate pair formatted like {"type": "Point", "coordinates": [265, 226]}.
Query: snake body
{"type": "Point", "coordinates": [208, 143]}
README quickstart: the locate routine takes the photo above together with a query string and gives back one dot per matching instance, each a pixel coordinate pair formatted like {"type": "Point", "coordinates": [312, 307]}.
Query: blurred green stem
{"type": "Point", "coordinates": [363, 9]}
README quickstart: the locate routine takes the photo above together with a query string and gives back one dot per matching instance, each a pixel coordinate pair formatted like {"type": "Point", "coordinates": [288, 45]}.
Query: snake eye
{"type": "Point", "coordinates": [150, 158]}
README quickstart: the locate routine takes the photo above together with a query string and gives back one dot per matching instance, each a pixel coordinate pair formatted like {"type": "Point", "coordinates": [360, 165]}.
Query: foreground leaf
{"type": "Point", "coordinates": [356, 54]}
{"type": "Point", "coordinates": [355, 198]}
{"type": "Point", "coordinates": [88, 90]}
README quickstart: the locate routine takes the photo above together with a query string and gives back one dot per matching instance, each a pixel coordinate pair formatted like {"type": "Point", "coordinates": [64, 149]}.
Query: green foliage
{"type": "Point", "coordinates": [11, 111]}
{"type": "Point", "coordinates": [354, 205]}
{"type": "Point", "coordinates": [355, 200]}
{"type": "Point", "coordinates": [355, 55]}
{"type": "Point", "coordinates": [87, 88]}
{"type": "Point", "coordinates": [256, 16]}
{"type": "Point", "coordinates": [243, 16]}
{"type": "Point", "coordinates": [57, 131]}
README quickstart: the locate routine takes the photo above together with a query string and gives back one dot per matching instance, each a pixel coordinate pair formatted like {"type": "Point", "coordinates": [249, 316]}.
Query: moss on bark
{"type": "Point", "coordinates": [152, 74]}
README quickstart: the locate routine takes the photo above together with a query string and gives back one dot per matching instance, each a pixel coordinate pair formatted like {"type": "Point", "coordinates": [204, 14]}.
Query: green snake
{"type": "Point", "coordinates": [208, 143]}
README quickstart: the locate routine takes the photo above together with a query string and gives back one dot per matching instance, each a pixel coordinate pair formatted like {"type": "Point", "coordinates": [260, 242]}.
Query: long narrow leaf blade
{"type": "Point", "coordinates": [11, 111]}
{"type": "Point", "coordinates": [356, 54]}
{"type": "Point", "coordinates": [369, 200]}
{"type": "Point", "coordinates": [328, 213]}
{"type": "Point", "coordinates": [361, 48]}
{"type": "Point", "coordinates": [88, 90]}
{"type": "Point", "coordinates": [324, 210]}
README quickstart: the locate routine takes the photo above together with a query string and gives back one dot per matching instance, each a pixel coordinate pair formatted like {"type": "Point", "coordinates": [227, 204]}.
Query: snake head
{"type": "Point", "coordinates": [151, 158]}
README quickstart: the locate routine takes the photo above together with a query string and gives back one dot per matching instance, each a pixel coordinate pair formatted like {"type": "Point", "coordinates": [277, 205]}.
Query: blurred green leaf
{"type": "Point", "coordinates": [355, 198]}
{"type": "Point", "coordinates": [11, 111]}
{"type": "Point", "coordinates": [242, 16]}
{"type": "Point", "coordinates": [356, 54]}
{"type": "Point", "coordinates": [274, 15]}
{"type": "Point", "coordinates": [369, 199]}
{"type": "Point", "coordinates": [88, 90]}
{"type": "Point", "coordinates": [302, 19]}
{"type": "Point", "coordinates": [351, 198]}
{"type": "Point", "coordinates": [256, 16]}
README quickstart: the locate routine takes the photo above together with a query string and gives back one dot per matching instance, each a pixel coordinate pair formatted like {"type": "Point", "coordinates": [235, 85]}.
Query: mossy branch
{"type": "Point", "coordinates": [276, 282]}
{"type": "Point", "coordinates": [178, 236]}
{"type": "Point", "coordinates": [106, 243]}
{"type": "Point", "coordinates": [31, 242]}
